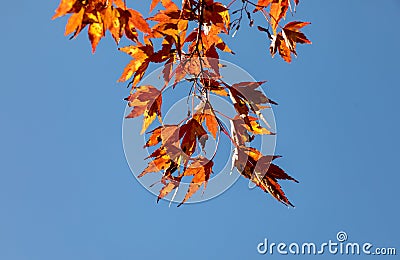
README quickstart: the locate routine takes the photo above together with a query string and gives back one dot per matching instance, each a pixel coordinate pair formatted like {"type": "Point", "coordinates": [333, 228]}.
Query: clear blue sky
{"type": "Point", "coordinates": [66, 191]}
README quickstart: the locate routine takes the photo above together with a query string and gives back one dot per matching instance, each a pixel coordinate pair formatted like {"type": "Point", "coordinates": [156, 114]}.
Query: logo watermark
{"type": "Point", "coordinates": [339, 246]}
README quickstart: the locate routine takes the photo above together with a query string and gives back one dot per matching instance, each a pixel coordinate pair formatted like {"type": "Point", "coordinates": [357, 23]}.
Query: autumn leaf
{"type": "Point", "coordinates": [292, 35]}
{"type": "Point", "coordinates": [261, 4]}
{"type": "Point", "coordinates": [74, 22]}
{"type": "Point", "coordinates": [255, 127]}
{"type": "Point", "coordinates": [211, 122]}
{"type": "Point", "coordinates": [64, 7]}
{"type": "Point", "coordinates": [153, 4]}
{"type": "Point", "coordinates": [170, 185]}
{"type": "Point", "coordinates": [205, 113]}
{"type": "Point", "coordinates": [278, 44]}
{"type": "Point", "coordinates": [138, 65]}
{"type": "Point", "coordinates": [95, 32]}
{"type": "Point", "coordinates": [277, 12]}
{"type": "Point", "coordinates": [239, 132]}
{"type": "Point", "coordinates": [137, 20]}
{"type": "Point", "coordinates": [285, 41]}
{"type": "Point", "coordinates": [168, 4]}
{"type": "Point", "coordinates": [113, 22]}
{"type": "Point", "coordinates": [187, 41]}
{"type": "Point", "coordinates": [271, 186]}
{"type": "Point", "coordinates": [192, 132]}
{"type": "Point", "coordinates": [256, 167]}
{"type": "Point", "coordinates": [146, 101]}
{"type": "Point", "coordinates": [201, 170]}
{"type": "Point", "coordinates": [217, 14]}
{"type": "Point", "coordinates": [155, 137]}
{"type": "Point", "coordinates": [156, 165]}
{"type": "Point", "coordinates": [249, 92]}
{"type": "Point", "coordinates": [214, 86]}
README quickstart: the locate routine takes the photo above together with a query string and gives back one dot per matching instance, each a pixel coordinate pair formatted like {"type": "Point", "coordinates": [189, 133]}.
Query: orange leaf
{"type": "Point", "coordinates": [130, 69]}
{"type": "Point", "coordinates": [201, 170]}
{"type": "Point", "coordinates": [138, 21]}
{"type": "Point", "coordinates": [138, 65]}
{"type": "Point", "coordinates": [212, 124]}
{"type": "Point", "coordinates": [169, 5]}
{"type": "Point", "coordinates": [111, 19]}
{"type": "Point", "coordinates": [153, 4]}
{"type": "Point", "coordinates": [278, 44]}
{"type": "Point", "coordinates": [277, 12]}
{"type": "Point", "coordinates": [64, 7]}
{"type": "Point", "coordinates": [170, 186]}
{"type": "Point", "coordinates": [155, 137]}
{"type": "Point", "coordinates": [285, 41]}
{"type": "Point", "coordinates": [74, 22]}
{"type": "Point", "coordinates": [262, 4]}
{"type": "Point", "coordinates": [158, 164]}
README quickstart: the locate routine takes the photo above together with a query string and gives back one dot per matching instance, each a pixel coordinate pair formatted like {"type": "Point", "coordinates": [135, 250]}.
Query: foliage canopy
{"type": "Point", "coordinates": [191, 38]}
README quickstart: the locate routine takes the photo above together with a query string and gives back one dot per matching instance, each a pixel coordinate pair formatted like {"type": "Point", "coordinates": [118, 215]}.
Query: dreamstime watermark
{"type": "Point", "coordinates": [340, 246]}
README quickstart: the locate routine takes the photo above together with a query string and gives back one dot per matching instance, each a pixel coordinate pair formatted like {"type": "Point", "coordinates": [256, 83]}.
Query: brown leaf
{"type": "Point", "coordinates": [271, 186]}
{"type": "Point", "coordinates": [217, 14]}
{"type": "Point", "coordinates": [292, 35]}
{"type": "Point", "coordinates": [258, 168]}
{"type": "Point", "coordinates": [192, 132]}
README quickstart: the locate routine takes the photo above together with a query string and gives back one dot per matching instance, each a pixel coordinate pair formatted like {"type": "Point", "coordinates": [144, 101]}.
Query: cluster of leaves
{"type": "Point", "coordinates": [191, 42]}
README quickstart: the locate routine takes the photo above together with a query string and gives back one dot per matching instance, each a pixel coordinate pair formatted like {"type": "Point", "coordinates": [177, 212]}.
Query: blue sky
{"type": "Point", "coordinates": [66, 191]}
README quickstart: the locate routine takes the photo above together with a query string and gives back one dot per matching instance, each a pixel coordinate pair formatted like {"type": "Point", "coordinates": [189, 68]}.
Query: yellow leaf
{"type": "Point", "coordinates": [148, 119]}
{"type": "Point", "coordinates": [74, 22]}
{"type": "Point", "coordinates": [95, 33]}
{"type": "Point", "coordinates": [130, 69]}
{"type": "Point", "coordinates": [256, 128]}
